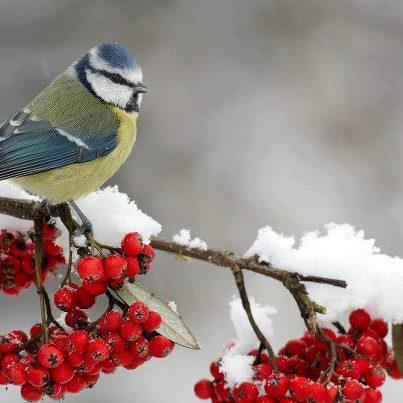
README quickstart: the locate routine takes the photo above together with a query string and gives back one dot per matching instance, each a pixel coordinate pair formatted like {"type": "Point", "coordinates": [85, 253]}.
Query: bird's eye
{"type": "Point", "coordinates": [116, 78]}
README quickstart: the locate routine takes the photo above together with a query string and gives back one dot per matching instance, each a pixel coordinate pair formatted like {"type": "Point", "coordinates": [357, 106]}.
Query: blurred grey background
{"type": "Point", "coordinates": [285, 113]}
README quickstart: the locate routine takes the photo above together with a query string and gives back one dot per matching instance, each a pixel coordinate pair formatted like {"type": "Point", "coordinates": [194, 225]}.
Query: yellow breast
{"type": "Point", "coordinates": [76, 180]}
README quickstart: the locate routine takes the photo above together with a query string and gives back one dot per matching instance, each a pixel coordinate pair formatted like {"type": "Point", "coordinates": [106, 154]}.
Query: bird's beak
{"type": "Point", "coordinates": [140, 88]}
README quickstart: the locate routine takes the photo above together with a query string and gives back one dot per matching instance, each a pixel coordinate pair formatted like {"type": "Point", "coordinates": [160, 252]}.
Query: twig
{"type": "Point", "coordinates": [339, 327]}
{"type": "Point", "coordinates": [240, 283]}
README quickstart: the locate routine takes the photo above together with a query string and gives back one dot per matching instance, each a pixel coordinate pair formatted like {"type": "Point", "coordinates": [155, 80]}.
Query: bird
{"type": "Point", "coordinates": [76, 133]}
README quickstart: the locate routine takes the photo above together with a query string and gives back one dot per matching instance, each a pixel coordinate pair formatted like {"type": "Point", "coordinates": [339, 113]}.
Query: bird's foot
{"type": "Point", "coordinates": [84, 229]}
{"type": "Point", "coordinates": [51, 210]}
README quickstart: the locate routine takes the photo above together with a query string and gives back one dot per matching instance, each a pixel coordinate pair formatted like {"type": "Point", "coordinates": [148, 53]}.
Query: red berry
{"type": "Point", "coordinates": [133, 267]}
{"type": "Point", "coordinates": [160, 346]}
{"type": "Point", "coordinates": [296, 387]}
{"type": "Point", "coordinates": [246, 392]}
{"type": "Point", "coordinates": [349, 369]}
{"type": "Point", "coordinates": [115, 266]}
{"type": "Point", "coordinates": [295, 347]}
{"type": "Point", "coordinates": [265, 399]}
{"type": "Point", "coordinates": [132, 244]}
{"type": "Point", "coordinates": [75, 359]}
{"type": "Point", "coordinates": [90, 268]}
{"type": "Point", "coordinates": [353, 390]}
{"type": "Point", "coordinates": [215, 370]}
{"type": "Point", "coordinates": [115, 340]}
{"type": "Point", "coordinates": [77, 384]}
{"type": "Point", "coordinates": [140, 348]}
{"type": "Point", "coordinates": [95, 288]}
{"type": "Point", "coordinates": [30, 394]}
{"type": "Point", "coordinates": [138, 312]}
{"type": "Point", "coordinates": [50, 248]}
{"type": "Point", "coordinates": [84, 299]}
{"type": "Point", "coordinates": [367, 346]}
{"type": "Point", "coordinates": [66, 298]}
{"type": "Point", "coordinates": [50, 231]}
{"type": "Point", "coordinates": [261, 372]}
{"type": "Point", "coordinates": [393, 370]}
{"type": "Point", "coordinates": [58, 391]}
{"type": "Point", "coordinates": [98, 349]}
{"type": "Point", "coordinates": [122, 357]}
{"type": "Point", "coordinates": [62, 374]}
{"type": "Point", "coordinates": [38, 376]}
{"type": "Point", "coordinates": [372, 396]}
{"type": "Point", "coordinates": [374, 377]}
{"type": "Point", "coordinates": [75, 318]}
{"type": "Point", "coordinates": [17, 374]}
{"type": "Point", "coordinates": [276, 386]}
{"type": "Point", "coordinates": [50, 356]}
{"type": "Point", "coordinates": [130, 331]}
{"type": "Point", "coordinates": [222, 391]}
{"type": "Point", "coordinates": [117, 284]}
{"type": "Point", "coordinates": [149, 252]}
{"type": "Point", "coordinates": [315, 392]}
{"type": "Point", "coordinates": [19, 335]}
{"type": "Point", "coordinates": [360, 319]}
{"type": "Point", "coordinates": [296, 365]}
{"type": "Point", "coordinates": [112, 321]}
{"type": "Point", "coordinates": [153, 321]}
{"type": "Point", "coordinates": [380, 327]}
{"type": "Point", "coordinates": [203, 389]}
{"type": "Point", "coordinates": [78, 341]}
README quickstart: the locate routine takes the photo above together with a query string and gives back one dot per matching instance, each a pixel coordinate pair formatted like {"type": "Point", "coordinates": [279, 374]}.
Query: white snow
{"type": "Point", "coordinates": [113, 215]}
{"type": "Point", "coordinates": [8, 189]}
{"type": "Point", "coordinates": [236, 364]}
{"type": "Point", "coordinates": [111, 212]}
{"type": "Point", "coordinates": [246, 337]}
{"type": "Point", "coordinates": [184, 239]}
{"type": "Point", "coordinates": [375, 280]}
{"type": "Point", "coordinates": [237, 368]}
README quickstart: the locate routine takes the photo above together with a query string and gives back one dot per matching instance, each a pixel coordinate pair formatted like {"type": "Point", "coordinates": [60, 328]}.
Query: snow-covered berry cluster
{"type": "Point", "coordinates": [72, 360]}
{"type": "Point", "coordinates": [17, 258]}
{"type": "Point", "coordinates": [305, 370]}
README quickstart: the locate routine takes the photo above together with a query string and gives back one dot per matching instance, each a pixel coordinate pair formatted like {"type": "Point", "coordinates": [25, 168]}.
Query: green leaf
{"type": "Point", "coordinates": [172, 326]}
{"type": "Point", "coordinates": [397, 341]}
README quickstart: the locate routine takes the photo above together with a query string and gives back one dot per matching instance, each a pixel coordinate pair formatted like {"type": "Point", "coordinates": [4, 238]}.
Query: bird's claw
{"type": "Point", "coordinates": [84, 229]}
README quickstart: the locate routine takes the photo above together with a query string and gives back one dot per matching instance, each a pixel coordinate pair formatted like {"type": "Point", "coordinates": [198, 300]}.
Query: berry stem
{"type": "Point", "coordinates": [38, 225]}
{"type": "Point", "coordinates": [67, 276]}
{"type": "Point", "coordinates": [333, 355]}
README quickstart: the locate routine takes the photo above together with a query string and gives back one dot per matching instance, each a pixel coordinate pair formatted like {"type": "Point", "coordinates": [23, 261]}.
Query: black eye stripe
{"type": "Point", "coordinates": [117, 78]}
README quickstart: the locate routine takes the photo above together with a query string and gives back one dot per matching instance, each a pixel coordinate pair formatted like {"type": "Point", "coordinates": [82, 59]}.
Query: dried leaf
{"type": "Point", "coordinates": [172, 326]}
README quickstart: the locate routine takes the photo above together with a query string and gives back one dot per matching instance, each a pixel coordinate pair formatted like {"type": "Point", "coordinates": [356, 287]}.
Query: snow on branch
{"type": "Point", "coordinates": [374, 280]}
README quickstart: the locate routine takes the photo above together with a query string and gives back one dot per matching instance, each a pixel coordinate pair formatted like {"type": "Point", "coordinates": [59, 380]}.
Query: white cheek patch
{"type": "Point", "coordinates": [107, 90]}
{"type": "Point", "coordinates": [133, 75]}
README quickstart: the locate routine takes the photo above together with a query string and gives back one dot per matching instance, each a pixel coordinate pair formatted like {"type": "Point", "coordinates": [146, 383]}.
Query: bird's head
{"type": "Point", "coordinates": [112, 74]}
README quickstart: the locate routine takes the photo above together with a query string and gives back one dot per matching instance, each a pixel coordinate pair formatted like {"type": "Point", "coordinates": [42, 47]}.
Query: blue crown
{"type": "Point", "coordinates": [116, 56]}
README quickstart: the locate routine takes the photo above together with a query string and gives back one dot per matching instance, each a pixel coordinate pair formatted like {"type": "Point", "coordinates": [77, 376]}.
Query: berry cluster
{"type": "Point", "coordinates": [73, 360]}
{"type": "Point", "coordinates": [98, 274]}
{"type": "Point", "coordinates": [305, 371]}
{"type": "Point", "coordinates": [17, 260]}
{"type": "Point", "coordinates": [58, 360]}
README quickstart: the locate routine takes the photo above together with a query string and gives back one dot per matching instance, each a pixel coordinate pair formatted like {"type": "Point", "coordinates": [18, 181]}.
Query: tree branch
{"type": "Point", "coordinates": [37, 211]}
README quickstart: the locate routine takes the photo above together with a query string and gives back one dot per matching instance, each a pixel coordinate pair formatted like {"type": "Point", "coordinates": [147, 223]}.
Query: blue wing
{"type": "Point", "coordinates": [31, 146]}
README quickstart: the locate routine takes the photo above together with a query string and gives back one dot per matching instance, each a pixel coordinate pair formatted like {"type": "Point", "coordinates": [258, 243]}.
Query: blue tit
{"type": "Point", "coordinates": [78, 131]}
